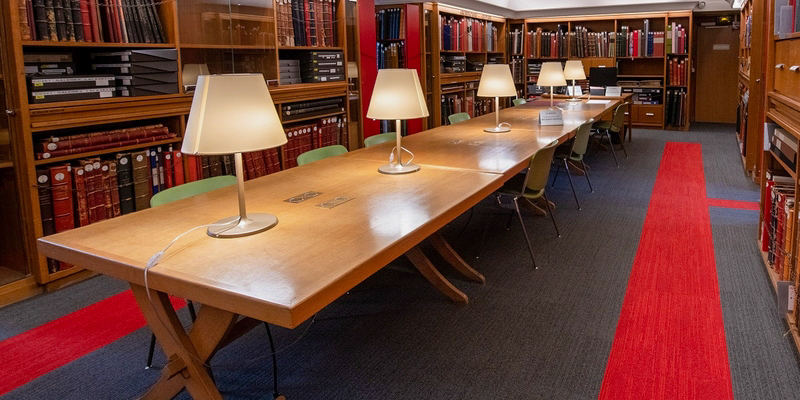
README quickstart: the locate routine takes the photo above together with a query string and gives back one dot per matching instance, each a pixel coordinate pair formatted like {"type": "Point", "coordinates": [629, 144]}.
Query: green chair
{"type": "Point", "coordinates": [615, 126]}
{"type": "Point", "coordinates": [320, 153]}
{"type": "Point", "coordinates": [178, 193]}
{"type": "Point", "coordinates": [456, 118]}
{"type": "Point", "coordinates": [378, 139]}
{"type": "Point", "coordinates": [575, 151]}
{"type": "Point", "coordinates": [518, 102]}
{"type": "Point", "coordinates": [529, 187]}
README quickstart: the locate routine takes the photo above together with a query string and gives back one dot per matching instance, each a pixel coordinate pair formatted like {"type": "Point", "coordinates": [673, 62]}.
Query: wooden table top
{"type": "Point", "coordinates": [466, 146]}
{"type": "Point", "coordinates": [288, 273]}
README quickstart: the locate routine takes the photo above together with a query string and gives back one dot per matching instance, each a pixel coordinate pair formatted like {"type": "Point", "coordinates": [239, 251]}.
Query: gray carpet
{"type": "Point", "coordinates": [526, 334]}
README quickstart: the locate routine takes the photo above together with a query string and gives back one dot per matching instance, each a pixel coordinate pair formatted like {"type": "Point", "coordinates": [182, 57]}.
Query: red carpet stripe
{"type": "Point", "coordinates": [38, 351]}
{"type": "Point", "coordinates": [670, 339]}
{"type": "Point", "coordinates": [744, 205]}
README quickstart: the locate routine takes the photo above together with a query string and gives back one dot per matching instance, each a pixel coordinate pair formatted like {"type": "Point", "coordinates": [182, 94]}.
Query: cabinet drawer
{"type": "Point", "coordinates": [787, 68]}
{"type": "Point", "coordinates": [650, 114]}
{"type": "Point", "coordinates": [634, 111]}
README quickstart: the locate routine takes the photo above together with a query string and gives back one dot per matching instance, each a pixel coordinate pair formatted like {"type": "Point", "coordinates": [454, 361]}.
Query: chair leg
{"type": "Point", "coordinates": [569, 175]}
{"type": "Point", "coordinates": [611, 145]}
{"type": "Point", "coordinates": [558, 169]}
{"type": "Point", "coordinates": [586, 172]}
{"type": "Point", "coordinates": [510, 218]}
{"type": "Point", "coordinates": [275, 394]}
{"type": "Point", "coordinates": [486, 228]}
{"type": "Point", "coordinates": [151, 351]}
{"type": "Point", "coordinates": [524, 231]}
{"type": "Point", "coordinates": [622, 142]}
{"type": "Point", "coordinates": [550, 211]}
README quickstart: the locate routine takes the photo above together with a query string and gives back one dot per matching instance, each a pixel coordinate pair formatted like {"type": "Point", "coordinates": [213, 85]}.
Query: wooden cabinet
{"type": "Point", "coordinates": [649, 114]}
{"type": "Point", "coordinates": [787, 68]}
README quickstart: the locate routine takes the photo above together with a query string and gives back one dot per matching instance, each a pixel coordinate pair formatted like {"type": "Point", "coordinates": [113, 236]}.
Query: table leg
{"type": "Point", "coordinates": [440, 244]}
{"type": "Point", "coordinates": [426, 268]}
{"type": "Point", "coordinates": [188, 353]}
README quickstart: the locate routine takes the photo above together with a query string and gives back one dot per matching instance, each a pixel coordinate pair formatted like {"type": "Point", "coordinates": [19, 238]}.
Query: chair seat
{"type": "Point", "coordinates": [602, 125]}
{"type": "Point", "coordinates": [568, 155]}
{"type": "Point", "coordinates": [513, 186]}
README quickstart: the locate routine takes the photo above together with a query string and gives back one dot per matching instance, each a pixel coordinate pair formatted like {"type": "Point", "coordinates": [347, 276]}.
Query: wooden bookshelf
{"type": "Point", "coordinates": [438, 79]}
{"type": "Point", "coordinates": [629, 68]}
{"type": "Point", "coordinates": [747, 138]}
{"type": "Point", "coordinates": [200, 33]}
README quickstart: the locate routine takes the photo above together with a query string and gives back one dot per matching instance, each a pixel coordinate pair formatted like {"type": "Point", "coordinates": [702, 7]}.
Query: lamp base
{"type": "Point", "coordinates": [498, 129]}
{"type": "Point", "coordinates": [395, 169]}
{"type": "Point", "coordinates": [254, 223]}
{"type": "Point", "coordinates": [573, 100]}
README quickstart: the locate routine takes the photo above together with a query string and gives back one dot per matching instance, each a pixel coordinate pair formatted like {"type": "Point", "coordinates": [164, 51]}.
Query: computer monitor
{"type": "Point", "coordinates": [603, 77]}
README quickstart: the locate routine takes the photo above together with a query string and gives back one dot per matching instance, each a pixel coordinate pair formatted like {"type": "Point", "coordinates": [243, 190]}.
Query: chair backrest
{"type": "Point", "coordinates": [581, 141]}
{"type": "Point", "coordinates": [378, 139]}
{"type": "Point", "coordinates": [619, 117]}
{"type": "Point", "coordinates": [539, 168]}
{"type": "Point", "coordinates": [456, 118]}
{"type": "Point", "coordinates": [191, 189]}
{"type": "Point", "coordinates": [320, 153]}
{"type": "Point", "coordinates": [519, 101]}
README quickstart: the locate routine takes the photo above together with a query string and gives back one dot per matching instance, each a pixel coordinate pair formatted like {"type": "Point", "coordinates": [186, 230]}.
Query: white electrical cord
{"type": "Point", "coordinates": [391, 155]}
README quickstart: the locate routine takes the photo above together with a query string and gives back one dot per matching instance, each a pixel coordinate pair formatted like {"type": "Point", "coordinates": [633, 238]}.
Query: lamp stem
{"type": "Point", "coordinates": [574, 90]}
{"type": "Point", "coordinates": [237, 157]}
{"type": "Point", "coordinates": [397, 132]}
{"type": "Point", "coordinates": [497, 110]}
{"type": "Point", "coordinates": [551, 96]}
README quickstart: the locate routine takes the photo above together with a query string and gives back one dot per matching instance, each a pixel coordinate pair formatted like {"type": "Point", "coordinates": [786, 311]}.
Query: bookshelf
{"type": "Point", "coordinates": [240, 38]}
{"type": "Point", "coordinates": [774, 105]}
{"type": "Point", "coordinates": [589, 38]}
{"type": "Point", "coordinates": [453, 61]}
{"type": "Point", "coordinates": [747, 137]}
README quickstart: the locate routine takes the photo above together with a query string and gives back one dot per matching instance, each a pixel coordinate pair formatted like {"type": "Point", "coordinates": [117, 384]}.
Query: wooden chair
{"type": "Point", "coordinates": [575, 152]}
{"type": "Point", "coordinates": [530, 186]}
{"type": "Point", "coordinates": [179, 193]}
{"type": "Point", "coordinates": [518, 102]}
{"type": "Point", "coordinates": [380, 138]}
{"type": "Point", "coordinates": [320, 153]}
{"type": "Point", "coordinates": [616, 126]}
{"type": "Point", "coordinates": [456, 118]}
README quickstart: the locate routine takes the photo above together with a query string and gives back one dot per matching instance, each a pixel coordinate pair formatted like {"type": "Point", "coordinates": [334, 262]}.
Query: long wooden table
{"type": "Point", "coordinates": [314, 255]}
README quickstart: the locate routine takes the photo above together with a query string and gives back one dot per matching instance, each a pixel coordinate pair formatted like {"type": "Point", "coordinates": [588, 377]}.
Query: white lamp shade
{"type": "Point", "coordinates": [551, 74]}
{"type": "Point", "coordinates": [496, 81]}
{"type": "Point", "coordinates": [573, 69]}
{"type": "Point", "coordinates": [352, 69]}
{"type": "Point", "coordinates": [192, 71]}
{"type": "Point", "coordinates": [232, 114]}
{"type": "Point", "coordinates": [397, 95]}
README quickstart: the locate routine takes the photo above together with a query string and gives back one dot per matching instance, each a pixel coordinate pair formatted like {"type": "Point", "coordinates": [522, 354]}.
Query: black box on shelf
{"type": "Point", "coordinates": [135, 56]}
{"type": "Point", "coordinates": [291, 81]}
{"type": "Point", "coordinates": [136, 68]}
{"type": "Point", "coordinates": [323, 71]}
{"type": "Point", "coordinates": [47, 83]}
{"type": "Point", "coordinates": [148, 90]}
{"type": "Point", "coordinates": [72, 94]}
{"type": "Point", "coordinates": [322, 55]}
{"type": "Point", "coordinates": [288, 63]}
{"type": "Point", "coordinates": [323, 78]}
{"type": "Point", "coordinates": [147, 79]}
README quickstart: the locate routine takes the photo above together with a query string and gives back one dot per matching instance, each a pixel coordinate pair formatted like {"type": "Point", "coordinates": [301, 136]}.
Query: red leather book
{"type": "Point", "coordinates": [248, 167]}
{"type": "Point", "coordinates": [105, 173]}
{"type": "Point", "coordinates": [191, 165]}
{"type": "Point", "coordinates": [81, 204]}
{"type": "Point", "coordinates": [141, 179]}
{"type": "Point", "coordinates": [104, 146]}
{"type": "Point", "coordinates": [261, 163]}
{"type": "Point", "coordinates": [61, 184]}
{"type": "Point", "coordinates": [168, 172]}
{"type": "Point", "coordinates": [94, 20]}
{"type": "Point", "coordinates": [113, 181]}
{"type": "Point", "coordinates": [177, 167]}
{"type": "Point", "coordinates": [46, 210]}
{"type": "Point", "coordinates": [86, 18]}
{"type": "Point", "coordinates": [97, 191]}
{"type": "Point", "coordinates": [95, 138]}
{"type": "Point", "coordinates": [308, 22]}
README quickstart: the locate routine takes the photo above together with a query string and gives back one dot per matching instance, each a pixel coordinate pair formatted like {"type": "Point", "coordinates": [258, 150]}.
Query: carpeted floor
{"type": "Point", "coordinates": [544, 334]}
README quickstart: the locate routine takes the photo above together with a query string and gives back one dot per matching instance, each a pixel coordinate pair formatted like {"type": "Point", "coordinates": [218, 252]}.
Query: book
{"type": "Point", "coordinates": [81, 202]}
{"type": "Point", "coordinates": [61, 184]}
{"type": "Point", "coordinates": [46, 210]}
{"type": "Point", "coordinates": [141, 179]}
{"type": "Point", "coordinates": [125, 183]}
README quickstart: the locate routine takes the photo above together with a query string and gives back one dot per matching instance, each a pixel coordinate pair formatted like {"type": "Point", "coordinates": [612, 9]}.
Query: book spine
{"type": "Point", "coordinates": [125, 183]}
{"type": "Point", "coordinates": [168, 173]}
{"type": "Point", "coordinates": [81, 206]}
{"type": "Point", "coordinates": [177, 167]}
{"type": "Point", "coordinates": [24, 22]}
{"type": "Point", "coordinates": [113, 182]}
{"type": "Point", "coordinates": [141, 179]}
{"type": "Point", "coordinates": [77, 20]}
{"type": "Point", "coordinates": [86, 20]}
{"type": "Point", "coordinates": [61, 178]}
{"type": "Point", "coordinates": [40, 20]}
{"type": "Point", "coordinates": [68, 25]}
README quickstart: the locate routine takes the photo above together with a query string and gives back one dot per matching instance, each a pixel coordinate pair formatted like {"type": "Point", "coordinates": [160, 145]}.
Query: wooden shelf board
{"type": "Point", "coordinates": [315, 116]}
{"type": "Point", "coordinates": [677, 54]}
{"type": "Point", "coordinates": [788, 126]}
{"type": "Point", "coordinates": [640, 76]}
{"type": "Point", "coordinates": [6, 164]}
{"type": "Point", "coordinates": [451, 91]}
{"type": "Point", "coordinates": [790, 36]}
{"type": "Point", "coordinates": [783, 164]}
{"type": "Point", "coordinates": [335, 48]}
{"type": "Point", "coordinates": [74, 103]}
{"type": "Point", "coordinates": [677, 86]}
{"type": "Point", "coordinates": [8, 275]}
{"type": "Point", "coordinates": [226, 46]}
{"type": "Point", "coordinates": [107, 151]}
{"type": "Point", "coordinates": [773, 276]}
{"type": "Point", "coordinates": [46, 43]}
{"type": "Point", "coordinates": [639, 58]}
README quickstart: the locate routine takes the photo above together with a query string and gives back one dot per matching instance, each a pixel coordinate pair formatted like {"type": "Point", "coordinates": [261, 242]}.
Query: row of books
{"type": "Point", "coordinates": [741, 116]}
{"type": "Point", "coordinates": [592, 44]}
{"type": "Point", "coordinates": [518, 70]}
{"type": "Point", "coordinates": [676, 39]}
{"type": "Point", "coordinates": [468, 34]}
{"type": "Point", "coordinates": [306, 23]}
{"type": "Point", "coordinates": [117, 21]}
{"type": "Point", "coordinates": [390, 55]}
{"type": "Point", "coordinates": [85, 142]}
{"type": "Point", "coordinates": [312, 135]}
{"type": "Point", "coordinates": [779, 215]}
{"type": "Point", "coordinates": [677, 71]}
{"type": "Point", "coordinates": [389, 24]}
{"type": "Point", "coordinates": [640, 43]}
{"type": "Point", "coordinates": [675, 110]}
{"type": "Point", "coordinates": [516, 40]}
{"type": "Point", "coordinates": [784, 146]}
{"type": "Point", "coordinates": [542, 44]}
{"type": "Point", "coordinates": [470, 104]}
{"type": "Point", "coordinates": [306, 109]}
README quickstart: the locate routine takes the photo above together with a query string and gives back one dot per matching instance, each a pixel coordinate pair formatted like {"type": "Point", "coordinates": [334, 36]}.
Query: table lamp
{"type": "Point", "coordinates": [496, 81]}
{"type": "Point", "coordinates": [551, 75]}
{"type": "Point", "coordinates": [574, 70]}
{"type": "Point", "coordinates": [352, 74]}
{"type": "Point", "coordinates": [190, 74]}
{"type": "Point", "coordinates": [234, 114]}
{"type": "Point", "coordinates": [398, 96]}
